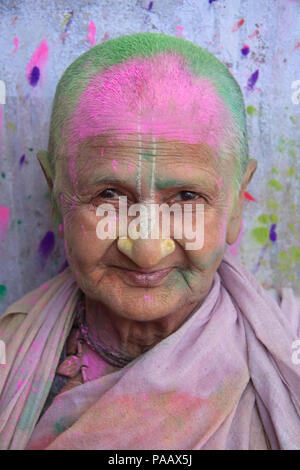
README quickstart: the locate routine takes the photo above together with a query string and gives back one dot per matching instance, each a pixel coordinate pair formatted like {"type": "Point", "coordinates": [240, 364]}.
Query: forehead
{"type": "Point", "coordinates": [141, 161]}
{"type": "Point", "coordinates": [157, 97]}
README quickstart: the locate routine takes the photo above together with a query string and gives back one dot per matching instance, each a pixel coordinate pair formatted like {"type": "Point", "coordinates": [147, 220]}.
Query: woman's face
{"type": "Point", "coordinates": [143, 169]}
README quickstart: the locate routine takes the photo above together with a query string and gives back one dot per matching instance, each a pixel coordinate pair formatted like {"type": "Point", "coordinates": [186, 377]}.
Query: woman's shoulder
{"type": "Point", "coordinates": [18, 309]}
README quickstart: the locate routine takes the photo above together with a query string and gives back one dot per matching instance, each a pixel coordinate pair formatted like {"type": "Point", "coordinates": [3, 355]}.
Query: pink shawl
{"type": "Point", "coordinates": [224, 380]}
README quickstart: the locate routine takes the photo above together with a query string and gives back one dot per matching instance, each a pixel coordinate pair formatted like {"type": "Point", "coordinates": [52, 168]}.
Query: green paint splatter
{"type": "Point", "coordinates": [293, 119]}
{"type": "Point", "coordinates": [292, 229]}
{"type": "Point", "coordinates": [293, 207]}
{"type": "Point", "coordinates": [62, 425]}
{"type": "Point", "coordinates": [251, 110]}
{"type": "Point", "coordinates": [47, 195]}
{"type": "Point", "coordinates": [281, 144]}
{"type": "Point", "coordinates": [30, 149]}
{"type": "Point", "coordinates": [11, 125]}
{"type": "Point", "coordinates": [261, 234]}
{"type": "Point", "coordinates": [275, 184]}
{"type": "Point", "coordinates": [19, 222]}
{"type": "Point", "coordinates": [272, 205]}
{"type": "Point", "coordinates": [2, 291]}
{"type": "Point", "coordinates": [291, 171]}
{"type": "Point", "coordinates": [3, 175]}
{"type": "Point", "coordinates": [294, 252]}
{"type": "Point", "coordinates": [274, 218]}
{"type": "Point", "coordinates": [264, 219]}
{"type": "Point", "coordinates": [146, 156]}
{"type": "Point", "coordinates": [292, 154]}
{"type": "Point", "coordinates": [275, 171]}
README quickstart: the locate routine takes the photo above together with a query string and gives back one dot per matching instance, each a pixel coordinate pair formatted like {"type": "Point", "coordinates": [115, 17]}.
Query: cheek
{"type": "Point", "coordinates": [215, 223]}
{"type": "Point", "coordinates": [83, 247]}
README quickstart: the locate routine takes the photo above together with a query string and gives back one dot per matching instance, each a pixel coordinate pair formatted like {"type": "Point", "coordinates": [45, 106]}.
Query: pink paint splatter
{"type": "Point", "coordinates": [92, 32]}
{"type": "Point", "coordinates": [4, 221]}
{"type": "Point", "coordinates": [238, 25]}
{"type": "Point", "coordinates": [16, 43]}
{"type": "Point", "coordinates": [297, 45]}
{"type": "Point", "coordinates": [37, 62]}
{"type": "Point", "coordinates": [179, 31]}
{"type": "Point", "coordinates": [256, 32]}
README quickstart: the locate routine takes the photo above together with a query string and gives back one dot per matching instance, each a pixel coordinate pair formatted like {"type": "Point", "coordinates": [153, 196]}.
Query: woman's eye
{"type": "Point", "coordinates": [187, 195]}
{"type": "Point", "coordinates": [108, 193]}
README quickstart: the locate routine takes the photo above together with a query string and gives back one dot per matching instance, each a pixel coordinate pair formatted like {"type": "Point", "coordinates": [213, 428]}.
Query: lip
{"type": "Point", "coordinates": [146, 279]}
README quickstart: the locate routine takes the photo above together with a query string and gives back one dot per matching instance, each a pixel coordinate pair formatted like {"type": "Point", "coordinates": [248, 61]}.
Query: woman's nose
{"type": "Point", "coordinates": [146, 252]}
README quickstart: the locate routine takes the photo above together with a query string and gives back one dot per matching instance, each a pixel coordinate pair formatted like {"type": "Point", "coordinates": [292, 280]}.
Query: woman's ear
{"type": "Point", "coordinates": [235, 222]}
{"type": "Point", "coordinates": [44, 160]}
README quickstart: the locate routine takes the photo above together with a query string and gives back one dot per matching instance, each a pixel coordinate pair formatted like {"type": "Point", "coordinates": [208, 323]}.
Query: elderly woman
{"type": "Point", "coordinates": [147, 342]}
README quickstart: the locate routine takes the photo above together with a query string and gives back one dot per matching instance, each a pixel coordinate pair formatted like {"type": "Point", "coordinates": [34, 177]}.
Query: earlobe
{"type": "Point", "coordinates": [44, 160]}
{"type": "Point", "coordinates": [235, 223]}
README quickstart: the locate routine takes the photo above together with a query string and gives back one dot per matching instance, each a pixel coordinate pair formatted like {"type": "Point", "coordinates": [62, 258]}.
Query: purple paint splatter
{"type": "Point", "coordinates": [252, 80]}
{"type": "Point", "coordinates": [150, 6]}
{"type": "Point", "coordinates": [272, 234]}
{"type": "Point", "coordinates": [22, 160]}
{"type": "Point", "coordinates": [211, 1]}
{"type": "Point", "coordinates": [245, 50]}
{"type": "Point", "coordinates": [46, 245]}
{"type": "Point", "coordinates": [34, 76]}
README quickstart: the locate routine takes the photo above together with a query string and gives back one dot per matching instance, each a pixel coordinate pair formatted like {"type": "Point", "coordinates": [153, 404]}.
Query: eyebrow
{"type": "Point", "coordinates": [195, 184]}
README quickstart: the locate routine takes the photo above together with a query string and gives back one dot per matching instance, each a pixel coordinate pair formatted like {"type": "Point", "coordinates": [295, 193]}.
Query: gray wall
{"type": "Point", "coordinates": [270, 29]}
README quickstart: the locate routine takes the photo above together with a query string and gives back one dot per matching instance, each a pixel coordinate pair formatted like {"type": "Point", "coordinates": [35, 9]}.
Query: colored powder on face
{"type": "Point", "coordinates": [168, 100]}
{"type": "Point", "coordinates": [245, 50]}
{"type": "Point", "coordinates": [22, 160]}
{"type": "Point", "coordinates": [273, 235]}
{"type": "Point", "coordinates": [37, 63]}
{"type": "Point", "coordinates": [16, 43]}
{"type": "Point", "coordinates": [4, 221]}
{"type": "Point", "coordinates": [2, 291]}
{"type": "Point", "coordinates": [252, 80]}
{"type": "Point", "coordinates": [34, 76]}
{"type": "Point", "coordinates": [92, 32]}
{"type": "Point", "coordinates": [46, 245]}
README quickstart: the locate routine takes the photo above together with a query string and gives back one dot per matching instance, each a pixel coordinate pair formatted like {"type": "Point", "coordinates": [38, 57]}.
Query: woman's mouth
{"type": "Point", "coordinates": [146, 279]}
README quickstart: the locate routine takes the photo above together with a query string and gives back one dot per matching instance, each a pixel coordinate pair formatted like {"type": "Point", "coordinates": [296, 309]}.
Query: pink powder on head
{"type": "Point", "coordinates": [158, 96]}
{"type": "Point", "coordinates": [4, 221]}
